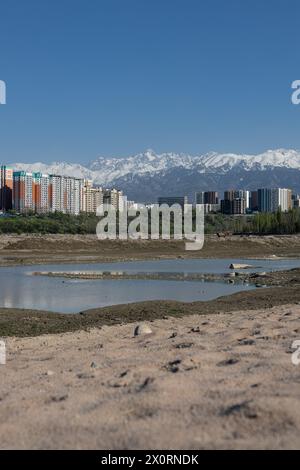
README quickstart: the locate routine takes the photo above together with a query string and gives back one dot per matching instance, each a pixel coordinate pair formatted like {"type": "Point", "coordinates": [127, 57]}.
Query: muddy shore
{"type": "Point", "coordinates": [283, 287]}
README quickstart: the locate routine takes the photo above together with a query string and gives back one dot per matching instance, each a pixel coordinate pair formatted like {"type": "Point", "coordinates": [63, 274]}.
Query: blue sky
{"type": "Point", "coordinates": [114, 77]}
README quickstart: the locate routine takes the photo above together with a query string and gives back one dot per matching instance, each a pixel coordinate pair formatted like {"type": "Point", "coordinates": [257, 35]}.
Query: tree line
{"type": "Point", "coordinates": [261, 224]}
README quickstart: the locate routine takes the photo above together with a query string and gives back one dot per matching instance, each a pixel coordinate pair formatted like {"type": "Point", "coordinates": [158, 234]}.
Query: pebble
{"type": "Point", "coordinates": [142, 329]}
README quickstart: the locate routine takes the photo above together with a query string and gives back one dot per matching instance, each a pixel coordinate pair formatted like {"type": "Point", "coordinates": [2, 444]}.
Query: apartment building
{"type": "Point", "coordinates": [115, 198]}
{"type": "Point", "coordinates": [236, 206]}
{"type": "Point", "coordinates": [235, 202]}
{"type": "Point", "coordinates": [253, 201]}
{"type": "Point", "coordinates": [207, 197]}
{"type": "Point", "coordinates": [40, 193]}
{"type": "Point", "coordinates": [6, 188]}
{"type": "Point", "coordinates": [22, 191]}
{"type": "Point", "coordinates": [73, 191]}
{"type": "Point", "coordinates": [43, 193]}
{"type": "Point", "coordinates": [92, 197]}
{"type": "Point", "coordinates": [274, 199]}
{"type": "Point", "coordinates": [65, 194]}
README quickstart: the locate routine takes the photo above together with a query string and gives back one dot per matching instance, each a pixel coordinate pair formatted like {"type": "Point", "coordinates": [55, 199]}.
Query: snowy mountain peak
{"type": "Point", "coordinates": [107, 171]}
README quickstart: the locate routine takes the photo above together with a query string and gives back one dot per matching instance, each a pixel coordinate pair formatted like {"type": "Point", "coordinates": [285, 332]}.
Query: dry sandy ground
{"type": "Point", "coordinates": [213, 381]}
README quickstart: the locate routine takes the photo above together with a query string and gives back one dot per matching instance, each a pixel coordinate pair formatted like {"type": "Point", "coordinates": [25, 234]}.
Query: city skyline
{"type": "Point", "coordinates": [38, 192]}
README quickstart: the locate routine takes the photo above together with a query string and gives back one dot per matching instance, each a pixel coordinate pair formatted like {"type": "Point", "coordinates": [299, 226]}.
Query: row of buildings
{"type": "Point", "coordinates": [238, 202]}
{"type": "Point", "coordinates": [42, 193]}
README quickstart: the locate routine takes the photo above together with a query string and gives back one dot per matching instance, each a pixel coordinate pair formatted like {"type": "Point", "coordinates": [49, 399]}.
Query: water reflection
{"type": "Point", "coordinates": [18, 290]}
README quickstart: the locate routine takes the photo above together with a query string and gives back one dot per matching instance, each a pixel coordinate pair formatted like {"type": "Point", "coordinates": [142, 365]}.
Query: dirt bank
{"type": "Point", "coordinates": [43, 249]}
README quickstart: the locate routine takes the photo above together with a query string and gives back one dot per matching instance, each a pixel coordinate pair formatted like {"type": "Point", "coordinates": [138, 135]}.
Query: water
{"type": "Point", "coordinates": [18, 289]}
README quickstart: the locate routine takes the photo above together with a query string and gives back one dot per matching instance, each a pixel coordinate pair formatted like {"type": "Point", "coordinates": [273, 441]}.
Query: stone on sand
{"type": "Point", "coordinates": [142, 329]}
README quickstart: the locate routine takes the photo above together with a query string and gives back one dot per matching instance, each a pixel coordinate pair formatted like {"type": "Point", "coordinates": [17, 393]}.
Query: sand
{"type": "Point", "coordinates": [198, 382]}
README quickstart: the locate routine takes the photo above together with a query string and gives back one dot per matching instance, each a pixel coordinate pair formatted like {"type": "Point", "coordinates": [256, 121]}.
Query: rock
{"type": "Point", "coordinates": [49, 373]}
{"type": "Point", "coordinates": [173, 335]}
{"type": "Point", "coordinates": [84, 375]}
{"type": "Point", "coordinates": [231, 274]}
{"type": "Point", "coordinates": [244, 409]}
{"type": "Point", "coordinates": [93, 365]}
{"type": "Point", "coordinates": [145, 384]}
{"type": "Point", "coordinates": [240, 266]}
{"type": "Point", "coordinates": [195, 330]}
{"type": "Point", "coordinates": [246, 341]}
{"type": "Point", "coordinates": [228, 362]}
{"type": "Point", "coordinates": [58, 398]}
{"type": "Point", "coordinates": [184, 345]}
{"type": "Point", "coordinates": [142, 329]}
{"type": "Point", "coordinates": [173, 366]}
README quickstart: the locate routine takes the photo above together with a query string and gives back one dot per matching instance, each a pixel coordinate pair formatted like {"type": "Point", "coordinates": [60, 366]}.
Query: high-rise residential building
{"type": "Point", "coordinates": [238, 194]}
{"type": "Point", "coordinates": [56, 193]}
{"type": "Point", "coordinates": [285, 199]}
{"type": "Point", "coordinates": [235, 202]}
{"type": "Point", "coordinates": [92, 197]}
{"type": "Point", "coordinates": [254, 200]}
{"type": "Point", "coordinates": [242, 194]}
{"type": "Point", "coordinates": [236, 206]}
{"type": "Point", "coordinates": [22, 191]}
{"type": "Point", "coordinates": [296, 200]}
{"type": "Point", "coordinates": [65, 194]}
{"type": "Point", "coordinates": [207, 197]}
{"type": "Point", "coordinates": [40, 193]}
{"type": "Point", "coordinates": [115, 198]}
{"type": "Point", "coordinates": [274, 199]}
{"type": "Point", "coordinates": [73, 195]}
{"type": "Point", "coordinates": [6, 187]}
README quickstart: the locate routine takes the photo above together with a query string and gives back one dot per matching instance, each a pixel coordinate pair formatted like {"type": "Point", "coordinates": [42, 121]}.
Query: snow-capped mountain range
{"type": "Point", "coordinates": [147, 175]}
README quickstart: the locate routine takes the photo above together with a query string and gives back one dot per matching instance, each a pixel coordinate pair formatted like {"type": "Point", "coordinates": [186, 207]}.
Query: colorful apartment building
{"type": "Point", "coordinates": [43, 193]}
{"type": "Point", "coordinates": [6, 187]}
{"type": "Point", "coordinates": [22, 191]}
{"type": "Point", "coordinates": [40, 193]}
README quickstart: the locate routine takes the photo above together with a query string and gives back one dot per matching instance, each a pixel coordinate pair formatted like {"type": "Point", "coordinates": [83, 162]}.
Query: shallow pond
{"type": "Point", "coordinates": [18, 289]}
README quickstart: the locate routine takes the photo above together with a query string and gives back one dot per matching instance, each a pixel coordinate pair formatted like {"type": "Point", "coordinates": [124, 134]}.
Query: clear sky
{"type": "Point", "coordinates": [114, 77]}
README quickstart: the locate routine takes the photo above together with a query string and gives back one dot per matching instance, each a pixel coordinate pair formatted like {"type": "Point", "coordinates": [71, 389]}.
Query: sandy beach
{"type": "Point", "coordinates": [199, 382]}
